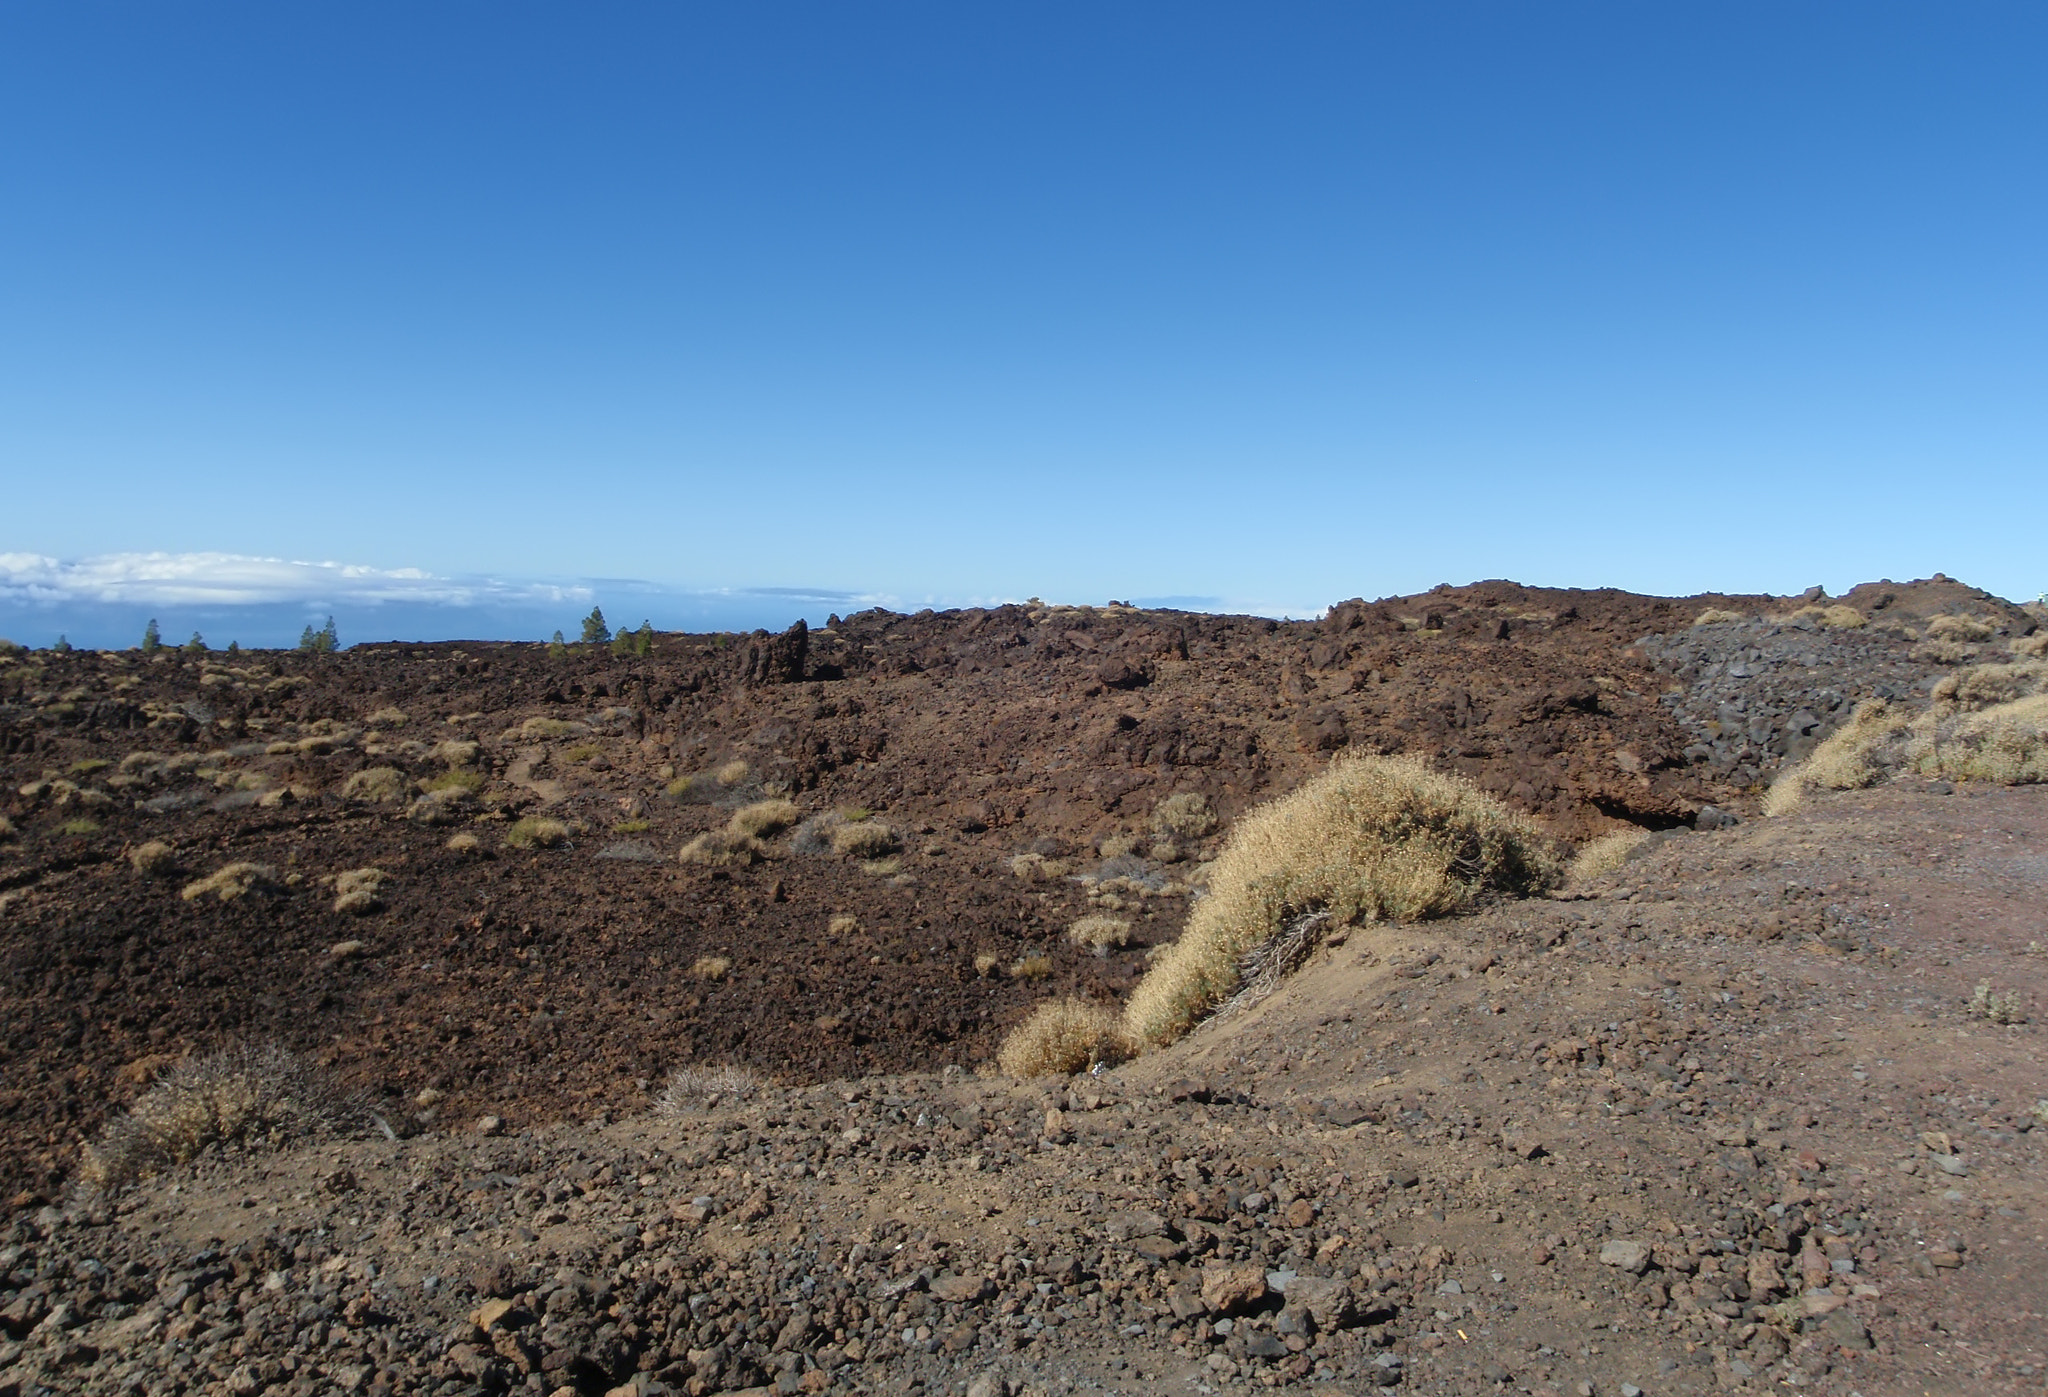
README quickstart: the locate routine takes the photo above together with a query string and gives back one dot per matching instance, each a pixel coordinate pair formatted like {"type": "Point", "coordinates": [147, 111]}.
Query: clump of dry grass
{"type": "Point", "coordinates": [842, 924]}
{"type": "Point", "coordinates": [1988, 723]}
{"type": "Point", "coordinates": [377, 785]}
{"type": "Point", "coordinates": [1715, 616]}
{"type": "Point", "coordinates": [693, 1089]}
{"type": "Point", "coordinates": [1988, 1004]}
{"type": "Point", "coordinates": [1064, 1036]}
{"type": "Point", "coordinates": [232, 881]}
{"type": "Point", "coordinates": [467, 780]}
{"type": "Point", "coordinates": [1117, 846]}
{"type": "Point", "coordinates": [985, 963]}
{"type": "Point", "coordinates": [1600, 857]}
{"type": "Point", "coordinates": [1185, 815]}
{"type": "Point", "coordinates": [464, 843]}
{"type": "Point", "coordinates": [1100, 934]}
{"type": "Point", "coordinates": [1372, 838]}
{"type": "Point", "coordinates": [154, 859]}
{"type": "Point", "coordinates": [547, 729]}
{"type": "Point", "coordinates": [455, 752]}
{"type": "Point", "coordinates": [1031, 968]}
{"type": "Point", "coordinates": [356, 891]}
{"type": "Point", "coordinates": [764, 819]}
{"type": "Point", "coordinates": [1842, 618]}
{"type": "Point", "coordinates": [712, 968]}
{"type": "Point", "coordinates": [865, 839]}
{"type": "Point", "coordinates": [733, 772]}
{"type": "Point", "coordinates": [2033, 646]}
{"type": "Point", "coordinates": [245, 1096]}
{"type": "Point", "coordinates": [1037, 868]}
{"type": "Point", "coordinates": [723, 848]}
{"type": "Point", "coordinates": [536, 832]}
{"type": "Point", "coordinates": [1966, 629]}
{"type": "Point", "coordinates": [386, 718]}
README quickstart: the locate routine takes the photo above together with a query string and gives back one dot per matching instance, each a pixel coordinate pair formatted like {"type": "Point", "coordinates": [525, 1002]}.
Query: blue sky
{"type": "Point", "coordinates": [1268, 306]}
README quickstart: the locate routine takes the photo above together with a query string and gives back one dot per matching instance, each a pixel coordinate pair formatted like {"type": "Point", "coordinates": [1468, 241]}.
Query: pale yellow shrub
{"type": "Point", "coordinates": [842, 925]}
{"type": "Point", "coordinates": [232, 881]}
{"type": "Point", "coordinates": [865, 839]}
{"type": "Point", "coordinates": [377, 785]}
{"type": "Point", "coordinates": [386, 718]}
{"type": "Point", "coordinates": [733, 772]}
{"type": "Point", "coordinates": [1031, 968]}
{"type": "Point", "coordinates": [1037, 868]}
{"type": "Point", "coordinates": [1064, 1036]}
{"type": "Point", "coordinates": [764, 818]}
{"type": "Point", "coordinates": [455, 752]}
{"type": "Point", "coordinates": [1981, 686]}
{"type": "Point", "coordinates": [464, 843]}
{"type": "Point", "coordinates": [242, 1096]}
{"type": "Point", "coordinates": [1185, 815]}
{"type": "Point", "coordinates": [1599, 857]}
{"type": "Point", "coordinates": [723, 848]}
{"type": "Point", "coordinates": [2033, 646]}
{"type": "Point", "coordinates": [1967, 629]}
{"type": "Point", "coordinates": [546, 729]}
{"type": "Point", "coordinates": [356, 891]}
{"type": "Point", "coordinates": [1116, 846]}
{"type": "Point", "coordinates": [1714, 616]}
{"type": "Point", "coordinates": [155, 859]}
{"type": "Point", "coordinates": [536, 832]}
{"type": "Point", "coordinates": [1371, 838]}
{"type": "Point", "coordinates": [2005, 743]}
{"type": "Point", "coordinates": [985, 963]}
{"type": "Point", "coordinates": [712, 968]}
{"type": "Point", "coordinates": [1100, 934]}
{"type": "Point", "coordinates": [1842, 618]}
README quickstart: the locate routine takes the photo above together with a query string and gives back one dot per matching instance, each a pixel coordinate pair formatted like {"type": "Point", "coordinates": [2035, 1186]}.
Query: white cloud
{"type": "Point", "coordinates": [230, 579]}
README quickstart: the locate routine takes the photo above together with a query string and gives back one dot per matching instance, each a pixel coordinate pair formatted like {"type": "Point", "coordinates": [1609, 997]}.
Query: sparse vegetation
{"type": "Point", "coordinates": [375, 785]}
{"type": "Point", "coordinates": [1184, 815]}
{"type": "Point", "coordinates": [764, 819]}
{"type": "Point", "coordinates": [1064, 1036]}
{"type": "Point", "coordinates": [1716, 616]}
{"type": "Point", "coordinates": [1036, 868]}
{"type": "Point", "coordinates": [465, 779]}
{"type": "Point", "coordinates": [536, 832]}
{"type": "Point", "coordinates": [80, 825]}
{"type": "Point", "coordinates": [547, 729]}
{"type": "Point", "coordinates": [693, 1089]}
{"type": "Point", "coordinates": [711, 968]}
{"type": "Point", "coordinates": [865, 839]}
{"type": "Point", "coordinates": [842, 924]}
{"type": "Point", "coordinates": [154, 859]}
{"type": "Point", "coordinates": [357, 892]}
{"type": "Point", "coordinates": [1991, 1006]}
{"type": "Point", "coordinates": [1966, 629]}
{"type": "Point", "coordinates": [1987, 723]}
{"type": "Point", "coordinates": [1372, 838]}
{"type": "Point", "coordinates": [386, 718]}
{"type": "Point", "coordinates": [232, 881]}
{"type": "Point", "coordinates": [723, 848]}
{"type": "Point", "coordinates": [321, 642]}
{"type": "Point", "coordinates": [1600, 857]}
{"type": "Point", "coordinates": [1842, 618]}
{"type": "Point", "coordinates": [244, 1096]}
{"type": "Point", "coordinates": [733, 772]}
{"type": "Point", "coordinates": [464, 843]}
{"type": "Point", "coordinates": [1031, 968]}
{"type": "Point", "coordinates": [985, 963]}
{"type": "Point", "coordinates": [1100, 935]}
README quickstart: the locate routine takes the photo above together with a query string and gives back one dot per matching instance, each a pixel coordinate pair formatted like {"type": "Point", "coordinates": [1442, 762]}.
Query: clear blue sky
{"type": "Point", "coordinates": [1272, 305]}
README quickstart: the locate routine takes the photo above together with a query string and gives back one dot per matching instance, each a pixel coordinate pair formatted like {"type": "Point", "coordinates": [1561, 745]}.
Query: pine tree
{"type": "Point", "coordinates": [558, 648]}
{"type": "Point", "coordinates": [327, 641]}
{"type": "Point", "coordinates": [197, 644]}
{"type": "Point", "coordinates": [595, 631]}
{"type": "Point", "coordinates": [643, 639]}
{"type": "Point", "coordinates": [234, 647]}
{"type": "Point", "coordinates": [306, 640]}
{"type": "Point", "coordinates": [152, 638]}
{"type": "Point", "coordinates": [63, 646]}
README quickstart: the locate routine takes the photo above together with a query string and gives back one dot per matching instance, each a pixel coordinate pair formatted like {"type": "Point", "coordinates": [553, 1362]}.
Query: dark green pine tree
{"type": "Point", "coordinates": [152, 638]}
{"type": "Point", "coordinates": [595, 631]}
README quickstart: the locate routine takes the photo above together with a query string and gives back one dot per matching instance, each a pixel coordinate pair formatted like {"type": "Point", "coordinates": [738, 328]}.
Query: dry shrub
{"type": "Point", "coordinates": [2033, 646]}
{"type": "Point", "coordinates": [712, 968]}
{"type": "Point", "coordinates": [693, 1089]}
{"type": "Point", "coordinates": [1100, 934]}
{"type": "Point", "coordinates": [1037, 868]}
{"type": "Point", "coordinates": [1186, 815]}
{"type": "Point", "coordinates": [378, 785]}
{"type": "Point", "coordinates": [546, 729]}
{"type": "Point", "coordinates": [842, 925]}
{"type": "Point", "coordinates": [1968, 733]}
{"type": "Point", "coordinates": [155, 859]}
{"type": "Point", "coordinates": [232, 881]}
{"type": "Point", "coordinates": [466, 779]}
{"type": "Point", "coordinates": [1942, 652]}
{"type": "Point", "coordinates": [464, 843]}
{"type": "Point", "coordinates": [6, 829]}
{"type": "Point", "coordinates": [1064, 1036]}
{"type": "Point", "coordinates": [865, 839]}
{"type": "Point", "coordinates": [701, 789]}
{"type": "Point", "coordinates": [985, 963]}
{"type": "Point", "coordinates": [386, 718]}
{"type": "Point", "coordinates": [536, 832]}
{"type": "Point", "coordinates": [1600, 857]}
{"type": "Point", "coordinates": [356, 891]}
{"type": "Point", "coordinates": [1967, 629]}
{"type": "Point", "coordinates": [723, 848]}
{"type": "Point", "coordinates": [455, 752]}
{"type": "Point", "coordinates": [1982, 686]}
{"type": "Point", "coordinates": [733, 772]}
{"type": "Point", "coordinates": [1371, 838]}
{"type": "Point", "coordinates": [764, 819]}
{"type": "Point", "coordinates": [1714, 616]}
{"type": "Point", "coordinates": [1031, 968]}
{"type": "Point", "coordinates": [245, 1096]}
{"type": "Point", "coordinates": [1117, 846]}
{"type": "Point", "coordinates": [1842, 618]}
